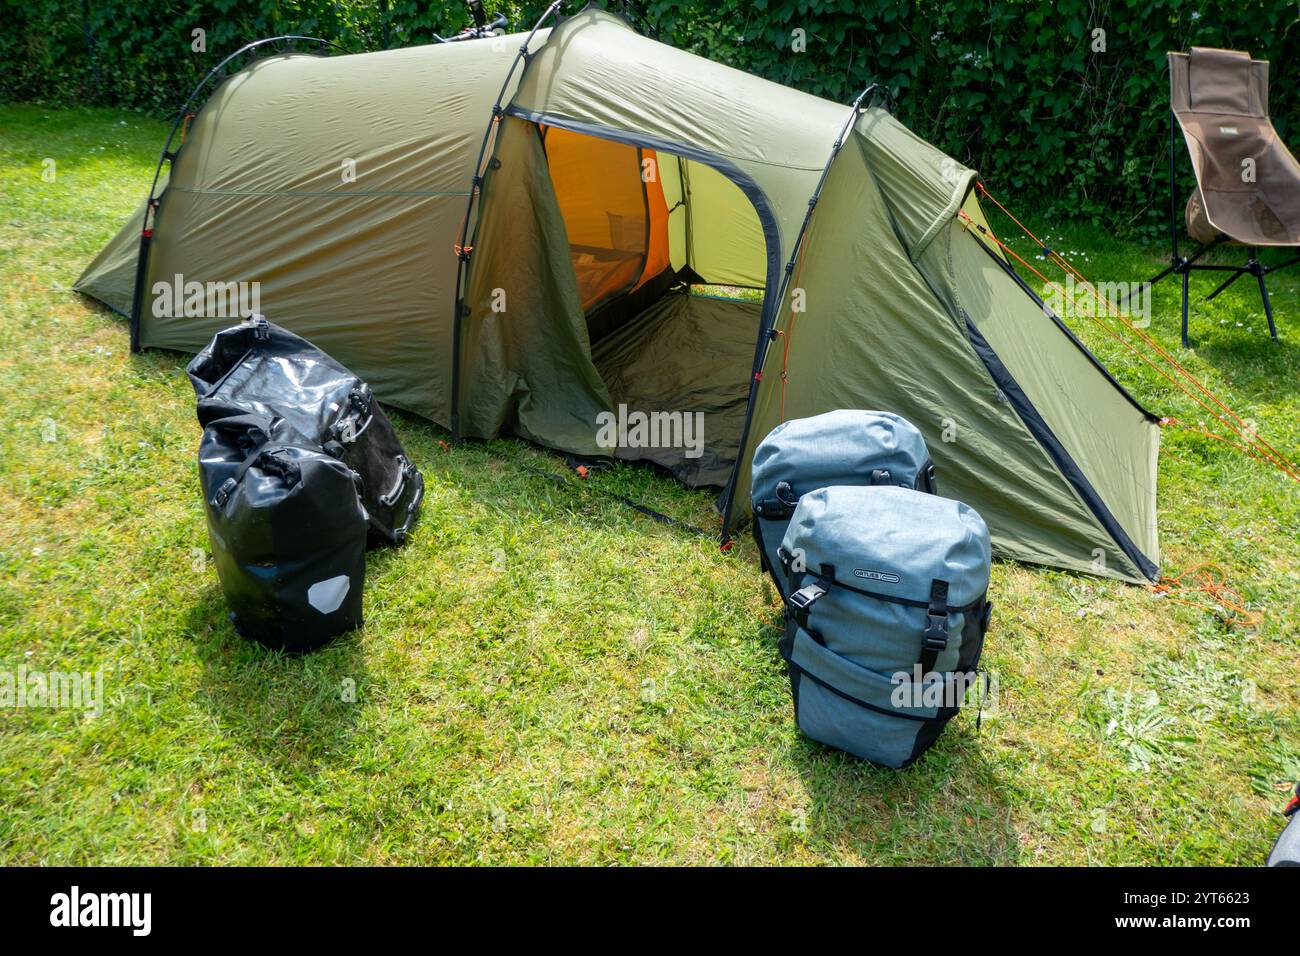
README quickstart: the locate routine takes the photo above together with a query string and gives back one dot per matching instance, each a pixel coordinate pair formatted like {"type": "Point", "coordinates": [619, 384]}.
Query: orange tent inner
{"type": "Point", "coordinates": [614, 212]}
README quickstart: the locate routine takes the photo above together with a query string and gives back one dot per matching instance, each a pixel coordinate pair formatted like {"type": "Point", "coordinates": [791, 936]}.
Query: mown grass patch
{"type": "Point", "coordinates": [547, 676]}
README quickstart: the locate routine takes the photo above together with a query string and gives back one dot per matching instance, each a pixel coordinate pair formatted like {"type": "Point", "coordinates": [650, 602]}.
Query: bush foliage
{"type": "Point", "coordinates": [1062, 104]}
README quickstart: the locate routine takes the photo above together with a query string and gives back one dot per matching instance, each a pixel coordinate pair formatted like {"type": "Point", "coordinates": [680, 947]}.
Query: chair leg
{"type": "Point", "coordinates": [1225, 283]}
{"type": "Point", "coordinates": [1161, 274]}
{"type": "Point", "coordinates": [1186, 277]}
{"type": "Point", "coordinates": [1123, 301]}
{"type": "Point", "coordinates": [1268, 307]}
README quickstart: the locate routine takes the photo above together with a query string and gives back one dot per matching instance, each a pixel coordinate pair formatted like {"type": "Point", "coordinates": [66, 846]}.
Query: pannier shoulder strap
{"type": "Point", "coordinates": [273, 461]}
{"type": "Point", "coordinates": [782, 505]}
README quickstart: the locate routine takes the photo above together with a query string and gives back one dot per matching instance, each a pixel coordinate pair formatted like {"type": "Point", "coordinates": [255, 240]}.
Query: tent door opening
{"type": "Point", "coordinates": [645, 229]}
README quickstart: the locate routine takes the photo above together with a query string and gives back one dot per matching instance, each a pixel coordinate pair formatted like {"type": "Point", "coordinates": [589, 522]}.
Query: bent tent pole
{"type": "Point", "coordinates": [767, 334]}
{"type": "Point", "coordinates": [462, 247]}
{"type": "Point", "coordinates": [168, 155]}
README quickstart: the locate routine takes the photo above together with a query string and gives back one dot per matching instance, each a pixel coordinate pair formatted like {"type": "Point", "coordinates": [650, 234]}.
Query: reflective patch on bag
{"type": "Point", "coordinates": [326, 596]}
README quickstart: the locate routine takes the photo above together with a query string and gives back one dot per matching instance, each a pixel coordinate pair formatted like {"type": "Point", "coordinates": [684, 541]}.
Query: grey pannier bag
{"type": "Point", "coordinates": [843, 447]}
{"type": "Point", "coordinates": [886, 617]}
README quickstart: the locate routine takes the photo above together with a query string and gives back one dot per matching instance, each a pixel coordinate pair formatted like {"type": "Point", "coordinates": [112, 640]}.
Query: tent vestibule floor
{"type": "Point", "coordinates": [687, 354]}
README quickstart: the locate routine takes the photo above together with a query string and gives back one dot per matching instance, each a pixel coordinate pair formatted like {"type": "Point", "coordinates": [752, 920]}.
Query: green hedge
{"type": "Point", "coordinates": [1020, 90]}
{"type": "Point", "coordinates": [1013, 89]}
{"type": "Point", "coordinates": [140, 53]}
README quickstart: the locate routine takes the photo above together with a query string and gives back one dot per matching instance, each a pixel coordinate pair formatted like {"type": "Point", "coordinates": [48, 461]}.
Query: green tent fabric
{"type": "Point", "coordinates": [646, 367]}
{"type": "Point", "coordinates": [363, 267]}
{"type": "Point", "coordinates": [886, 300]}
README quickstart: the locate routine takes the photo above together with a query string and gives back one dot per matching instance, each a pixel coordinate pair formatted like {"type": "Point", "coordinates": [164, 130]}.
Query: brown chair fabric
{"type": "Point", "coordinates": [1220, 99]}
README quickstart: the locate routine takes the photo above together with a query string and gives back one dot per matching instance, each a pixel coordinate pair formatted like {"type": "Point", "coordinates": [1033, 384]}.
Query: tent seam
{"type": "Point", "coordinates": [948, 213]}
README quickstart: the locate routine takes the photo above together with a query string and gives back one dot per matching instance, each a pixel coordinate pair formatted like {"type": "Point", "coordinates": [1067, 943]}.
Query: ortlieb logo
{"type": "Point", "coordinates": [870, 575]}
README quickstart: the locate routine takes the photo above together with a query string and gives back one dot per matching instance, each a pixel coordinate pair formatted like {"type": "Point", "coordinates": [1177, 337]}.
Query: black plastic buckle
{"type": "Point", "coordinates": [224, 492]}
{"type": "Point", "coordinates": [936, 633]}
{"type": "Point", "coordinates": [807, 596]}
{"type": "Point", "coordinates": [782, 506]}
{"type": "Point", "coordinates": [935, 638]}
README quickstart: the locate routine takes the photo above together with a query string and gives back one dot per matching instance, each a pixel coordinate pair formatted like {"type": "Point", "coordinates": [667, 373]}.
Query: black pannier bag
{"type": "Point", "coordinates": [258, 368]}
{"type": "Point", "coordinates": [288, 532]}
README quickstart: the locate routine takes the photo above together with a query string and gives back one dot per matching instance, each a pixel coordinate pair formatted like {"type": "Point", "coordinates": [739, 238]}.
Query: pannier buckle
{"type": "Point", "coordinates": [936, 633]}
{"type": "Point", "coordinates": [807, 596]}
{"type": "Point", "coordinates": [224, 492]}
{"type": "Point", "coordinates": [260, 326]}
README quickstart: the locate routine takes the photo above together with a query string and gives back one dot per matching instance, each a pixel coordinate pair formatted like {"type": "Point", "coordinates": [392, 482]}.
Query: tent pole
{"type": "Point", "coordinates": [141, 277]}
{"type": "Point", "coordinates": [168, 156]}
{"type": "Point", "coordinates": [687, 210]}
{"type": "Point", "coordinates": [766, 333]}
{"type": "Point", "coordinates": [462, 247]}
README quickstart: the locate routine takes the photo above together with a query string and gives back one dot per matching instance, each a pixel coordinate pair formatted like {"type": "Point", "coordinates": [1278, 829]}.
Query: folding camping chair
{"type": "Point", "coordinates": [1247, 182]}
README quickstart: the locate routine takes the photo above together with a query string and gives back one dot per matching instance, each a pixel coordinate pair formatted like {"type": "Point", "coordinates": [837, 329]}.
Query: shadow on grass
{"type": "Point", "coordinates": [1252, 358]}
{"type": "Point", "coordinates": [1231, 331]}
{"type": "Point", "coordinates": [951, 807]}
{"type": "Point", "coordinates": [297, 713]}
{"type": "Point", "coordinates": [289, 712]}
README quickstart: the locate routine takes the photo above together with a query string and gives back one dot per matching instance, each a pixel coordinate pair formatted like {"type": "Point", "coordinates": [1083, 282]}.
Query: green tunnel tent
{"type": "Point", "coordinates": [621, 175]}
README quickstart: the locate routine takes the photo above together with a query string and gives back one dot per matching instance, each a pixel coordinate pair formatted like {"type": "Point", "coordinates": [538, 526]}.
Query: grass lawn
{"type": "Point", "coordinates": [547, 676]}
